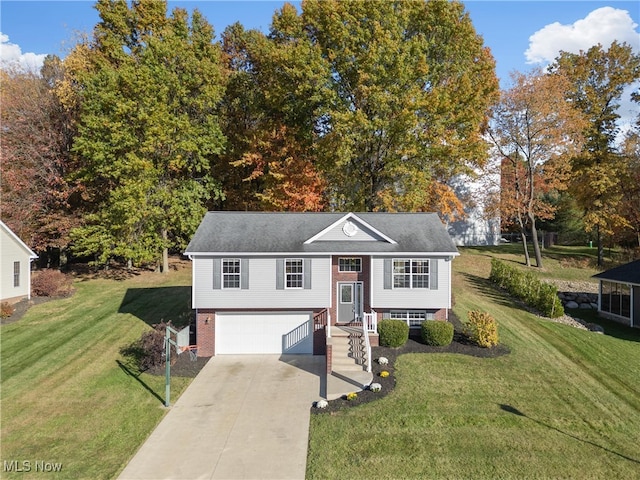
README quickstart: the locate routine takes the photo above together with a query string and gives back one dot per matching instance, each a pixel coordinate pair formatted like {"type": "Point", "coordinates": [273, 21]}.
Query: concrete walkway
{"type": "Point", "coordinates": [242, 417]}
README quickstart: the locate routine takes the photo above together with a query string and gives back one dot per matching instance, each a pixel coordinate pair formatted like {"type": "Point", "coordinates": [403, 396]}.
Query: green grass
{"type": "Point", "coordinates": [67, 395]}
{"type": "Point", "coordinates": [564, 404]}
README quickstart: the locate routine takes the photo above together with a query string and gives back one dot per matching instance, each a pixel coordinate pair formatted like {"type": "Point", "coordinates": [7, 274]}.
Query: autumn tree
{"type": "Point", "coordinates": [147, 89]}
{"type": "Point", "coordinates": [598, 78]}
{"type": "Point", "coordinates": [534, 131]}
{"type": "Point", "coordinates": [37, 201]}
{"type": "Point", "coordinates": [408, 93]}
{"type": "Point", "coordinates": [268, 116]}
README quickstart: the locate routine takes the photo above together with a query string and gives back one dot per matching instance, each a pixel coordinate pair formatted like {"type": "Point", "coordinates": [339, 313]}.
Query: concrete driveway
{"type": "Point", "coordinates": [242, 417]}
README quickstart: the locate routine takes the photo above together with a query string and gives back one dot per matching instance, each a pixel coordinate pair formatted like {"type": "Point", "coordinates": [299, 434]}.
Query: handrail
{"type": "Point", "coordinates": [365, 334]}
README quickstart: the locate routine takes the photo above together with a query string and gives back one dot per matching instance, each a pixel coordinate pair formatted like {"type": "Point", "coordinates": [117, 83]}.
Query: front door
{"type": "Point", "coordinates": [349, 301]}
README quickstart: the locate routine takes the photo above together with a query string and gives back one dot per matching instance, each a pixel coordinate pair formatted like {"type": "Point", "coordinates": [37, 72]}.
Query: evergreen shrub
{"type": "Point", "coordinates": [393, 333]}
{"type": "Point", "coordinates": [436, 333]}
{"type": "Point", "coordinates": [526, 286]}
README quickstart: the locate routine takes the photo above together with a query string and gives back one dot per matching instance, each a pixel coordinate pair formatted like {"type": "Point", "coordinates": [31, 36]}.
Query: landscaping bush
{"type": "Point", "coordinates": [6, 310]}
{"type": "Point", "coordinates": [51, 283]}
{"type": "Point", "coordinates": [148, 351]}
{"type": "Point", "coordinates": [482, 329]}
{"type": "Point", "coordinates": [393, 333]}
{"type": "Point", "coordinates": [527, 287]}
{"type": "Point", "coordinates": [436, 333]}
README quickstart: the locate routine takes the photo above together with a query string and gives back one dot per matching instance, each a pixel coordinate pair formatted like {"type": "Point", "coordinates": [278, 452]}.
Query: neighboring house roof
{"type": "Point", "coordinates": [22, 245]}
{"type": "Point", "coordinates": [628, 273]}
{"type": "Point", "coordinates": [310, 232]}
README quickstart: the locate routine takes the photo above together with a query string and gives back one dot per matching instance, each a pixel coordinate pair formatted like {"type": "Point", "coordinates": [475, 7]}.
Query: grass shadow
{"type": "Point", "coordinates": [157, 304]}
{"type": "Point", "coordinates": [487, 289]}
{"type": "Point", "coordinates": [515, 411]}
{"type": "Point", "coordinates": [136, 375]}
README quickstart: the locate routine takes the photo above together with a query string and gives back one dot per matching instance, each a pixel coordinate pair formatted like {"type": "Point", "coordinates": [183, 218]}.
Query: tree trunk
{"type": "Point", "coordinates": [165, 252]}
{"type": "Point", "coordinates": [523, 235]}
{"type": "Point", "coordinates": [534, 239]}
{"type": "Point", "coordinates": [600, 247]}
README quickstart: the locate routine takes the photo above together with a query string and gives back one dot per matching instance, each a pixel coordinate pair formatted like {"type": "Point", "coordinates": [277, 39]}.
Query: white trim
{"type": "Point", "coordinates": [349, 216]}
{"type": "Point", "coordinates": [301, 287]}
{"type": "Point", "coordinates": [346, 253]}
{"type": "Point", "coordinates": [23, 245]}
{"type": "Point", "coordinates": [222, 273]}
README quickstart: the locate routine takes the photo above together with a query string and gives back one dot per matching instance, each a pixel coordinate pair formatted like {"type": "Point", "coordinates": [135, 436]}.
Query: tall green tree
{"type": "Point", "coordinates": [408, 95]}
{"type": "Point", "coordinates": [598, 79]}
{"type": "Point", "coordinates": [147, 89]}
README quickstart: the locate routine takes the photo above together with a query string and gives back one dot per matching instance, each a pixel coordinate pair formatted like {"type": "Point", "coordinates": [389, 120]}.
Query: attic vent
{"type": "Point", "coordinates": [349, 229]}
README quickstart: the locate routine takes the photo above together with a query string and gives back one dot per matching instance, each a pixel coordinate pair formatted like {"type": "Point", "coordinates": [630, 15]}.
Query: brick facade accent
{"type": "Point", "coordinates": [363, 276]}
{"type": "Point", "coordinates": [206, 332]}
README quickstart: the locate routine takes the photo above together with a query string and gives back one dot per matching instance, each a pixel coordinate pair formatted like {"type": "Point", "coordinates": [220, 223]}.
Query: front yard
{"type": "Point", "coordinates": [565, 403]}
{"type": "Point", "coordinates": [68, 397]}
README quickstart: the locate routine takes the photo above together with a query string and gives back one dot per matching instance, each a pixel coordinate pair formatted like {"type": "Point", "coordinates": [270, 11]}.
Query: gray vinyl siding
{"type": "Point", "coordinates": [363, 234]}
{"type": "Point", "coordinates": [261, 291]}
{"type": "Point", "coordinates": [406, 298]}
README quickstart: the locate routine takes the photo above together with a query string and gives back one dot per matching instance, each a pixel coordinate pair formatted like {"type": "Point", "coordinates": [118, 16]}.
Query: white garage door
{"type": "Point", "coordinates": [264, 332]}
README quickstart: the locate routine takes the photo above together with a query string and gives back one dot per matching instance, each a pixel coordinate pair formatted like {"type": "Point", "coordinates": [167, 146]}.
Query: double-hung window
{"type": "Point", "coordinates": [230, 273]}
{"type": "Point", "coordinates": [410, 273]}
{"type": "Point", "coordinates": [294, 273]}
{"type": "Point", "coordinates": [16, 274]}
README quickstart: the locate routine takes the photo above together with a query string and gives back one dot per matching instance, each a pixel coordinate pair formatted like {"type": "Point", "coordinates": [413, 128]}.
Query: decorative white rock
{"type": "Point", "coordinates": [383, 361]}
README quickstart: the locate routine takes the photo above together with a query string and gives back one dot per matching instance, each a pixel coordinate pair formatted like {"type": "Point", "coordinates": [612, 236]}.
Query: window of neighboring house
{"type": "Point", "coordinates": [413, 317]}
{"type": "Point", "coordinates": [294, 273]}
{"type": "Point", "coordinates": [230, 273]}
{"type": "Point", "coordinates": [349, 264]}
{"type": "Point", "coordinates": [410, 273]}
{"type": "Point", "coordinates": [16, 274]}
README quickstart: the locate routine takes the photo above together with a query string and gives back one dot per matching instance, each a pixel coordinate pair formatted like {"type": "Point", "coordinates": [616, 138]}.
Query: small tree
{"type": "Point", "coordinates": [534, 131]}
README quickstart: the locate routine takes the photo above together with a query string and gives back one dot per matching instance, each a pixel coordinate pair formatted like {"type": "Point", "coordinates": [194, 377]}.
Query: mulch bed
{"type": "Point", "coordinates": [22, 306]}
{"type": "Point", "coordinates": [460, 344]}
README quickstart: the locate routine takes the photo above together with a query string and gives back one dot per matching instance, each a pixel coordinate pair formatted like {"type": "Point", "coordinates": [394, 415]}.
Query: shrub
{"type": "Point", "coordinates": [527, 287]}
{"type": "Point", "coordinates": [482, 329]}
{"type": "Point", "coordinates": [6, 310]}
{"type": "Point", "coordinates": [393, 333]}
{"type": "Point", "coordinates": [375, 387]}
{"type": "Point", "coordinates": [51, 283]}
{"type": "Point", "coordinates": [148, 351]}
{"type": "Point", "coordinates": [352, 396]}
{"type": "Point", "coordinates": [436, 333]}
{"type": "Point", "coordinates": [384, 374]}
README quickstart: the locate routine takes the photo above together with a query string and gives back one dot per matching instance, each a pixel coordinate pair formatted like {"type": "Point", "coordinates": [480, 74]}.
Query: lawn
{"type": "Point", "coordinates": [565, 403]}
{"type": "Point", "coordinates": [68, 397]}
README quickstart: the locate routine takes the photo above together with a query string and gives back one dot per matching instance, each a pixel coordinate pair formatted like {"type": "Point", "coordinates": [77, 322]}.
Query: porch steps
{"type": "Point", "coordinates": [348, 371]}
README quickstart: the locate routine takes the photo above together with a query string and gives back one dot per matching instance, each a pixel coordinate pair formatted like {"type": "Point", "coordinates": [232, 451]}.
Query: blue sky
{"type": "Point", "coordinates": [509, 28]}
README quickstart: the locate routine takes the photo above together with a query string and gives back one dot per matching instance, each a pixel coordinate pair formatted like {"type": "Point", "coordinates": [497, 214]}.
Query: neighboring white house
{"type": "Point", "coordinates": [15, 266]}
{"type": "Point", "coordinates": [477, 228]}
{"type": "Point", "coordinates": [273, 282]}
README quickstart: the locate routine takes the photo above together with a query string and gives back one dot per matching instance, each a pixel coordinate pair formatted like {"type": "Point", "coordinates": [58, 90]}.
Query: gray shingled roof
{"type": "Point", "coordinates": [286, 232]}
{"type": "Point", "coordinates": [628, 273]}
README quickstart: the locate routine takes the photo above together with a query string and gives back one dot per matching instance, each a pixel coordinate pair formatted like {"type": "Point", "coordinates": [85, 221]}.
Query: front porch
{"type": "Point", "coordinates": [348, 367]}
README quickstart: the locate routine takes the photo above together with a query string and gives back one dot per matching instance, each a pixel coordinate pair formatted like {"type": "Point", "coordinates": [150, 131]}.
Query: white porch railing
{"type": "Point", "coordinates": [369, 324]}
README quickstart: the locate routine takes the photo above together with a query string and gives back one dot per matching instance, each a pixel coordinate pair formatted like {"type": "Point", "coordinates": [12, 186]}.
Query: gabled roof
{"type": "Point", "coordinates": [628, 273]}
{"type": "Point", "coordinates": [310, 232]}
{"type": "Point", "coordinates": [17, 240]}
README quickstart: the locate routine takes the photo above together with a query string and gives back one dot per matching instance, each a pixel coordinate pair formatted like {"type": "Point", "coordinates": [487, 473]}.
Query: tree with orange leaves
{"type": "Point", "coordinates": [534, 132]}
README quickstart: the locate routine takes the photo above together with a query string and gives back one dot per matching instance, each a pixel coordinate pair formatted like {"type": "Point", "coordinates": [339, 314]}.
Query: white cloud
{"type": "Point", "coordinates": [602, 26]}
{"type": "Point", "coordinates": [11, 56]}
